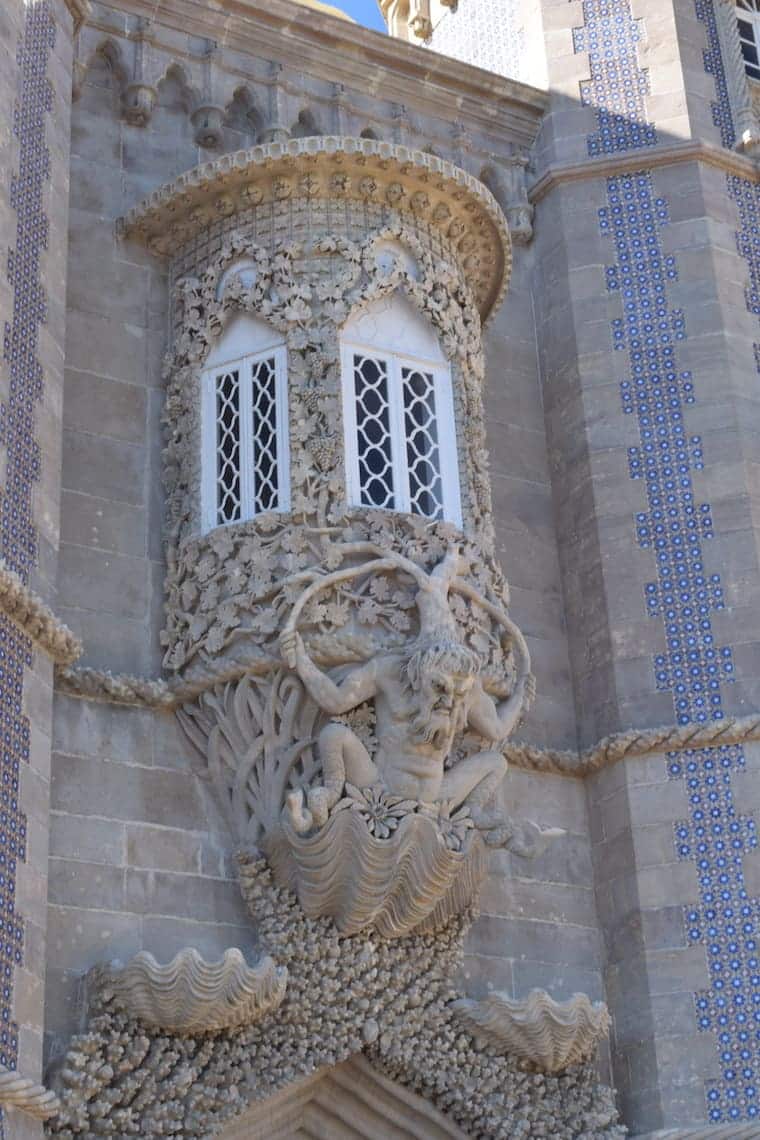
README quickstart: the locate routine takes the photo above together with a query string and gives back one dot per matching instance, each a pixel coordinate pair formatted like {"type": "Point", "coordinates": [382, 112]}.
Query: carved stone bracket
{"type": "Point", "coordinates": [547, 1034]}
{"type": "Point", "coordinates": [507, 179]}
{"type": "Point", "coordinates": [189, 995]}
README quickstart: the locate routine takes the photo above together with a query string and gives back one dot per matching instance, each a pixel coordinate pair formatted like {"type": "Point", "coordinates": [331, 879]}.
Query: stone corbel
{"type": "Point", "coordinates": [139, 97]}
{"type": "Point", "coordinates": [340, 108]}
{"type": "Point", "coordinates": [207, 116]}
{"type": "Point", "coordinates": [743, 106]}
{"type": "Point", "coordinates": [277, 131]}
{"type": "Point", "coordinates": [546, 1034]}
{"type": "Point", "coordinates": [401, 124]}
{"type": "Point", "coordinates": [507, 181]}
{"type": "Point", "coordinates": [420, 23]}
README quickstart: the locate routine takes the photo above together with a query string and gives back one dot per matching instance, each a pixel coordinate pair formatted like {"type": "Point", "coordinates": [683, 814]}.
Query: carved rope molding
{"type": "Point", "coordinates": [27, 611]}
{"type": "Point", "coordinates": [27, 1096]}
{"type": "Point", "coordinates": [141, 692]}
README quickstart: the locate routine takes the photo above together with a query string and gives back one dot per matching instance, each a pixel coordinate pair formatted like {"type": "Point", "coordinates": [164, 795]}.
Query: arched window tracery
{"type": "Point", "coordinates": [398, 411]}
{"type": "Point", "coordinates": [245, 452]}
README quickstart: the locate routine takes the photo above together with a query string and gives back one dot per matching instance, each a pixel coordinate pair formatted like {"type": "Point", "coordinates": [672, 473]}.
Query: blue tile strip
{"type": "Point", "coordinates": [618, 86]}
{"type": "Point", "coordinates": [18, 540]}
{"type": "Point", "coordinates": [746, 195]}
{"type": "Point", "coordinates": [684, 596]}
{"type": "Point", "coordinates": [693, 667]}
{"type": "Point", "coordinates": [721, 107]}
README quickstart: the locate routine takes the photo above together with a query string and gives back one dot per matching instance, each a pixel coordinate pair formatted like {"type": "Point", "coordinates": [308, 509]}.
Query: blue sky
{"type": "Point", "coordinates": [364, 12]}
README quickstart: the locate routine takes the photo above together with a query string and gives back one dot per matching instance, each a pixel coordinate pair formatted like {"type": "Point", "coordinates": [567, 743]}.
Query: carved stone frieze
{"type": "Point", "coordinates": [189, 995]}
{"type": "Point", "coordinates": [545, 1033]}
{"type": "Point", "coordinates": [377, 173]}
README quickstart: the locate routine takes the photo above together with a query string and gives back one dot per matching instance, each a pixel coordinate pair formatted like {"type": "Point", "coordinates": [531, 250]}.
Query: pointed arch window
{"type": "Point", "coordinates": [245, 453]}
{"type": "Point", "coordinates": [748, 18]}
{"type": "Point", "coordinates": [398, 414]}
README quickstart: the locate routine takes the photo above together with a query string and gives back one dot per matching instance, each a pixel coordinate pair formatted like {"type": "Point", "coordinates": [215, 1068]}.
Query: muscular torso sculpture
{"type": "Point", "coordinates": [424, 697]}
{"type": "Point", "coordinates": [422, 703]}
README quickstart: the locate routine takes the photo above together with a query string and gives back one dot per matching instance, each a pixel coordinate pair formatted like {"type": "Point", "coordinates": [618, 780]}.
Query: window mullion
{"type": "Point", "coordinates": [447, 444]}
{"type": "Point", "coordinates": [402, 498]}
{"type": "Point", "coordinates": [247, 478]}
{"type": "Point", "coordinates": [348, 369]}
{"type": "Point", "coordinates": [283, 429]}
{"type": "Point", "coordinates": [209, 478]}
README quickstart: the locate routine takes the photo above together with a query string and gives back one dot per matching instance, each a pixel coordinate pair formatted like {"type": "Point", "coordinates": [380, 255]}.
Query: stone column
{"type": "Point", "coordinates": [36, 89]}
{"type": "Point", "coordinates": [651, 404]}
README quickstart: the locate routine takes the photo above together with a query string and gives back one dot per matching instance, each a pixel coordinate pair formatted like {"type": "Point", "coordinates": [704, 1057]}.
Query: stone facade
{"type": "Point", "coordinates": [614, 389]}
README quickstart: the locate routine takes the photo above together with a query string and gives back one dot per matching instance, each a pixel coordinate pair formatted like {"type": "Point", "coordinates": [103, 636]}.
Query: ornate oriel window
{"type": "Point", "coordinates": [748, 17]}
{"type": "Point", "coordinates": [244, 467]}
{"type": "Point", "coordinates": [398, 413]}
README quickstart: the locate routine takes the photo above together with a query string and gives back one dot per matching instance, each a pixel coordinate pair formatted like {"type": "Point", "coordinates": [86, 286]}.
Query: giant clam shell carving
{"type": "Point", "coordinates": [410, 881]}
{"type": "Point", "coordinates": [190, 995]}
{"type": "Point", "coordinates": [548, 1034]}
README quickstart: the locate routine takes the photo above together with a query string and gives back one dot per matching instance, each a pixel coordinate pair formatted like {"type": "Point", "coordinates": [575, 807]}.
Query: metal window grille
{"type": "Point", "coordinates": [373, 432]}
{"type": "Point", "coordinates": [228, 502]}
{"type": "Point", "coordinates": [400, 438]}
{"type": "Point", "coordinates": [245, 441]}
{"type": "Point", "coordinates": [423, 455]}
{"type": "Point", "coordinates": [748, 19]}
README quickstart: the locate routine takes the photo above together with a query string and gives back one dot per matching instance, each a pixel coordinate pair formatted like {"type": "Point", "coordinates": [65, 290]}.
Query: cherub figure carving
{"type": "Point", "coordinates": [425, 696]}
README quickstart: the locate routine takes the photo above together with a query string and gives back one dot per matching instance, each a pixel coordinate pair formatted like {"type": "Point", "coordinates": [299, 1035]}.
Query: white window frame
{"type": "Point", "coordinates": [209, 480]}
{"type": "Point", "coordinates": [445, 426]}
{"type": "Point", "coordinates": [750, 16]}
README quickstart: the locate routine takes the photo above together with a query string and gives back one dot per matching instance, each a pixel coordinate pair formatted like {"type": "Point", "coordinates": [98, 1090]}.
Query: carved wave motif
{"type": "Point", "coordinates": [409, 881]}
{"type": "Point", "coordinates": [548, 1034]}
{"type": "Point", "coordinates": [190, 995]}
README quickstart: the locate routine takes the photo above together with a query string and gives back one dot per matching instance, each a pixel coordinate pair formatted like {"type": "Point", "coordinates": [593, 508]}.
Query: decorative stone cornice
{"type": "Point", "coordinates": [36, 620]}
{"type": "Point", "coordinates": [652, 158]}
{"type": "Point", "coordinates": [340, 52]}
{"type": "Point", "coordinates": [401, 180]}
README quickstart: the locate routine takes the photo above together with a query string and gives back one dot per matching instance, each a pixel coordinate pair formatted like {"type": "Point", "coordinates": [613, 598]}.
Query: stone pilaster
{"type": "Point", "coordinates": [34, 221]}
{"type": "Point", "coordinates": [651, 396]}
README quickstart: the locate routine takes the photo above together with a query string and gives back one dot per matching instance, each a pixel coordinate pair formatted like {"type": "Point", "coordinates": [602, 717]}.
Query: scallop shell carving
{"type": "Point", "coordinates": [190, 995]}
{"type": "Point", "coordinates": [548, 1034]}
{"type": "Point", "coordinates": [408, 881]}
